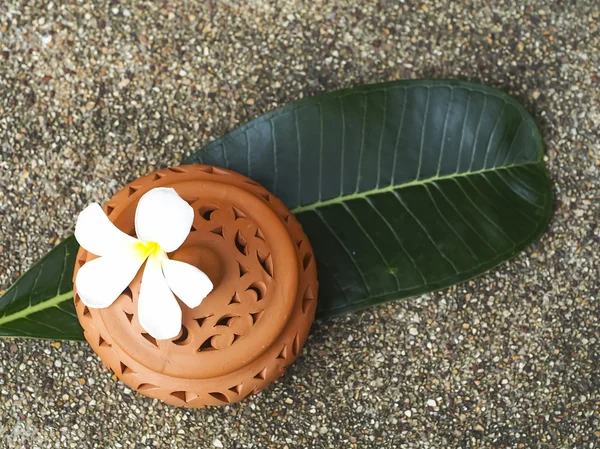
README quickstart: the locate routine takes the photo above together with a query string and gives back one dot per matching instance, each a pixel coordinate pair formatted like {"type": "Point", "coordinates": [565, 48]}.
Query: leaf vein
{"type": "Point", "coordinates": [381, 139]}
{"type": "Point", "coordinates": [62, 273]}
{"type": "Point", "coordinates": [398, 138]}
{"type": "Point", "coordinates": [39, 323]}
{"type": "Point", "coordinates": [506, 158]}
{"type": "Point", "coordinates": [517, 192]}
{"type": "Point", "coordinates": [423, 126]}
{"type": "Point", "coordinates": [450, 225]}
{"type": "Point", "coordinates": [520, 182]}
{"type": "Point", "coordinates": [492, 222]}
{"type": "Point", "coordinates": [404, 250]}
{"type": "Point", "coordinates": [489, 143]}
{"type": "Point", "coordinates": [462, 134]}
{"type": "Point", "coordinates": [444, 132]}
{"type": "Point", "coordinates": [500, 194]}
{"type": "Point", "coordinates": [474, 149]}
{"type": "Point", "coordinates": [467, 222]}
{"type": "Point", "coordinates": [37, 278]}
{"type": "Point", "coordinates": [364, 231]}
{"type": "Point", "coordinates": [348, 252]}
{"type": "Point", "coordinates": [424, 229]}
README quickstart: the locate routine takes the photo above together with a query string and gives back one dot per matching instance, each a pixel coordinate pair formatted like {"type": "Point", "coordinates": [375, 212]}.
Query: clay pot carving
{"type": "Point", "coordinates": [251, 326]}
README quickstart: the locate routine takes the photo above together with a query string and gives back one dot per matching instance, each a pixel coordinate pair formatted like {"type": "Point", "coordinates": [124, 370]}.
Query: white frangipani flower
{"type": "Point", "coordinates": [162, 222]}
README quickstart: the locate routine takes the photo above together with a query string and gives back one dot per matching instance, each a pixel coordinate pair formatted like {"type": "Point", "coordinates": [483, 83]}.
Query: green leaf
{"type": "Point", "coordinates": [402, 188]}
{"type": "Point", "coordinates": [40, 303]}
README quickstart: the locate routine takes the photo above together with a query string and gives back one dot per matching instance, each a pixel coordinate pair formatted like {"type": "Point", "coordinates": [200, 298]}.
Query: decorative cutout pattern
{"type": "Point", "coordinates": [237, 389]}
{"type": "Point", "coordinates": [244, 294]}
{"type": "Point", "coordinates": [125, 369]}
{"type": "Point", "coordinates": [150, 338]}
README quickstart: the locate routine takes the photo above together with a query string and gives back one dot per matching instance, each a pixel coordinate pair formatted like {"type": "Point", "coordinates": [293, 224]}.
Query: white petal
{"type": "Point", "coordinates": [101, 281]}
{"type": "Point", "coordinates": [98, 235]}
{"type": "Point", "coordinates": [189, 283]}
{"type": "Point", "coordinates": [158, 310]}
{"type": "Point", "coordinates": [163, 217]}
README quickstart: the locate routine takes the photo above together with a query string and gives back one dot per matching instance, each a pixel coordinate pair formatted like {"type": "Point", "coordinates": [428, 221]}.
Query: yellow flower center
{"type": "Point", "coordinates": [147, 249]}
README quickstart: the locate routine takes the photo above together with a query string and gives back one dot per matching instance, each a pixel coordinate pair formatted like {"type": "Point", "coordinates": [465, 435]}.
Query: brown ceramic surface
{"type": "Point", "coordinates": [253, 324]}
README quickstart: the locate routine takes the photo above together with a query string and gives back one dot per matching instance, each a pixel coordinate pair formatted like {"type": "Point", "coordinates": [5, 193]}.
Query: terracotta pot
{"type": "Point", "coordinates": [254, 323]}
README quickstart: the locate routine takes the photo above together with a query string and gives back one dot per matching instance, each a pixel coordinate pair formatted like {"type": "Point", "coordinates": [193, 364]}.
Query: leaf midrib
{"type": "Point", "coordinates": [52, 302]}
{"type": "Point", "coordinates": [391, 188]}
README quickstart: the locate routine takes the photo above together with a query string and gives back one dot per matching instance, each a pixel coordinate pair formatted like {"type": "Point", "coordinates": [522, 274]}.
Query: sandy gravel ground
{"type": "Point", "coordinates": [95, 94]}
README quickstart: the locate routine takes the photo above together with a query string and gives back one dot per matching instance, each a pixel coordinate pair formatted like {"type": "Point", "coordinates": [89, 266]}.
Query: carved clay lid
{"type": "Point", "coordinates": [249, 328]}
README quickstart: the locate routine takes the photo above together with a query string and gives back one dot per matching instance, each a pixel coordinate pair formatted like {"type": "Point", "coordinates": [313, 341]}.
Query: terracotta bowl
{"type": "Point", "coordinates": [254, 323]}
